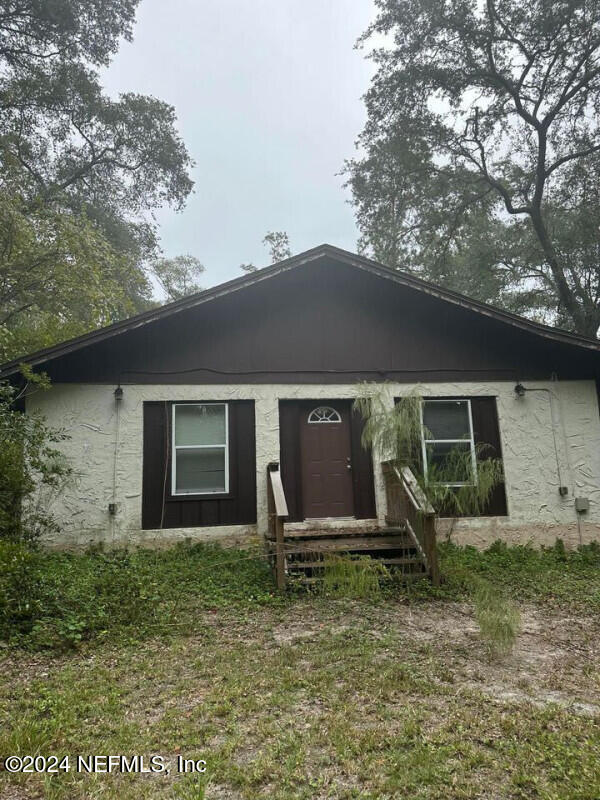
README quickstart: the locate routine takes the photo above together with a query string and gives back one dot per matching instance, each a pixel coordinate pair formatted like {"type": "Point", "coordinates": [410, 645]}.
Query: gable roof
{"type": "Point", "coordinates": [322, 251]}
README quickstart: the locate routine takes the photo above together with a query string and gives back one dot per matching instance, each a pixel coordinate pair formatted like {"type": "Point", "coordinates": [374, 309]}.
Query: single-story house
{"type": "Point", "coordinates": [175, 414]}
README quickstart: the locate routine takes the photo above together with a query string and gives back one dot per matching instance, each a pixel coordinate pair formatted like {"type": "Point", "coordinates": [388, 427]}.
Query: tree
{"type": "Point", "coordinates": [482, 124]}
{"type": "Point", "coordinates": [37, 35]}
{"type": "Point", "coordinates": [178, 276]}
{"type": "Point", "coordinates": [278, 244]}
{"type": "Point", "coordinates": [59, 276]}
{"type": "Point", "coordinates": [32, 466]}
{"type": "Point", "coordinates": [79, 171]}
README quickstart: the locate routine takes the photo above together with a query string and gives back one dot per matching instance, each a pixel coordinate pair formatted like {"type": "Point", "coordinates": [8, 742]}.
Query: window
{"type": "Point", "coordinates": [324, 414]}
{"type": "Point", "coordinates": [448, 443]}
{"type": "Point", "coordinates": [200, 458]}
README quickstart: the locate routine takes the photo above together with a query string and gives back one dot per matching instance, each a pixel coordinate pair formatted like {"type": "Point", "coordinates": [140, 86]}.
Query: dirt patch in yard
{"type": "Point", "coordinates": [556, 658]}
{"type": "Point", "coordinates": [323, 699]}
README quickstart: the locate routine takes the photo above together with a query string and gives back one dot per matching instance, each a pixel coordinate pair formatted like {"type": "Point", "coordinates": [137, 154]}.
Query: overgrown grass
{"type": "Point", "coordinates": [190, 651]}
{"type": "Point", "coordinates": [355, 576]}
{"type": "Point", "coordinates": [317, 698]}
{"type": "Point", "coordinates": [551, 576]}
{"type": "Point", "coordinates": [497, 616]}
{"type": "Point", "coordinates": [59, 599]}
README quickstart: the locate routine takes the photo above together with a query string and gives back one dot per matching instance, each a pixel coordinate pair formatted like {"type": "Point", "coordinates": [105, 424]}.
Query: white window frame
{"type": "Point", "coordinates": [336, 421]}
{"type": "Point", "coordinates": [425, 442]}
{"type": "Point", "coordinates": [175, 448]}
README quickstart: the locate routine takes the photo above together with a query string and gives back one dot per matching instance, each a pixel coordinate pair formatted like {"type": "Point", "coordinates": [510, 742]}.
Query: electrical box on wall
{"type": "Point", "coordinates": [582, 504]}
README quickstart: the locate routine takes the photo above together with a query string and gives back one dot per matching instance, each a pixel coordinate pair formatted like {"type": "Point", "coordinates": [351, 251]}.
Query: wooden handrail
{"type": "Point", "coordinates": [408, 505]}
{"type": "Point", "coordinates": [281, 509]}
{"type": "Point", "coordinates": [278, 513]}
{"type": "Point", "coordinates": [416, 494]}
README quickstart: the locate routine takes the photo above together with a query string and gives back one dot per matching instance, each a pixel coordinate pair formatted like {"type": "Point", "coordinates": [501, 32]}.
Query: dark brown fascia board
{"type": "Point", "coordinates": [324, 250]}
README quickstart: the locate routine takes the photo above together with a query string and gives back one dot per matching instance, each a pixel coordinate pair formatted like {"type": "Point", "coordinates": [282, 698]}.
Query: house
{"type": "Point", "coordinates": [175, 415]}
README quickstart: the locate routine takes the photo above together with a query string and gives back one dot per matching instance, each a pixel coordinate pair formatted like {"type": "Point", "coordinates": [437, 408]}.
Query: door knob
{"type": "Point", "coordinates": [348, 464]}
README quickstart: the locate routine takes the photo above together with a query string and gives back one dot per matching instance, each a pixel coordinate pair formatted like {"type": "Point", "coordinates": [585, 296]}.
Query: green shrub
{"type": "Point", "coordinates": [31, 467]}
{"type": "Point", "coordinates": [21, 588]}
{"type": "Point", "coordinates": [397, 431]}
{"type": "Point", "coordinates": [58, 600]}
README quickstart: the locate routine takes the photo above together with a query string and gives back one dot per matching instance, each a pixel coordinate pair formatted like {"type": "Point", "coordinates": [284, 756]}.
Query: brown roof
{"type": "Point", "coordinates": [324, 250]}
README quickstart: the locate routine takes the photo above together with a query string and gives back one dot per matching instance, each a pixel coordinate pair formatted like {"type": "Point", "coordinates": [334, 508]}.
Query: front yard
{"type": "Point", "coordinates": [316, 697]}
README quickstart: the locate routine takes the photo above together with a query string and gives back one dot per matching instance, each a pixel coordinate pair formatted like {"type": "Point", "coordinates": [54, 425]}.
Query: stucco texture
{"type": "Point", "coordinates": [105, 452]}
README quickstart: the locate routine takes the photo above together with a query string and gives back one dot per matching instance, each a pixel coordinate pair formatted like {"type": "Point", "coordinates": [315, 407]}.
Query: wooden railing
{"type": "Point", "coordinates": [278, 513]}
{"type": "Point", "coordinates": [407, 505]}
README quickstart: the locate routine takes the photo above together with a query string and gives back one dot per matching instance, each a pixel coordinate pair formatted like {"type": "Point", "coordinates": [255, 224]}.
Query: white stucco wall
{"type": "Point", "coordinates": [88, 413]}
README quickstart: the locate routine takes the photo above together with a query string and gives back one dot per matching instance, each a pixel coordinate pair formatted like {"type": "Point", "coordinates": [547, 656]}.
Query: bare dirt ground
{"type": "Point", "coordinates": [323, 699]}
{"type": "Point", "coordinates": [556, 658]}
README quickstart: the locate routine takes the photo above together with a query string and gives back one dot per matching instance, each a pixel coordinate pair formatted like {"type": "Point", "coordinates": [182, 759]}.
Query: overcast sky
{"type": "Point", "coordinates": [268, 97]}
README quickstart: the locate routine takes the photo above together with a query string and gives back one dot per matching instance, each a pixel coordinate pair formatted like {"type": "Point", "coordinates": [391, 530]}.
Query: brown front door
{"type": "Point", "coordinates": [326, 467]}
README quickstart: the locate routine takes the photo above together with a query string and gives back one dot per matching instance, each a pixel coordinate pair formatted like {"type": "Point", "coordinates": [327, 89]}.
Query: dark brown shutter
{"type": "Point", "coordinates": [238, 507]}
{"type": "Point", "coordinates": [154, 464]}
{"type": "Point", "coordinates": [289, 438]}
{"type": "Point", "coordinates": [486, 431]}
{"type": "Point", "coordinates": [362, 471]}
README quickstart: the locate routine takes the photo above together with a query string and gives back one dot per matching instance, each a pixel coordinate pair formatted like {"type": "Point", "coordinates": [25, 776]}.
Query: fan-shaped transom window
{"type": "Point", "coordinates": [324, 414]}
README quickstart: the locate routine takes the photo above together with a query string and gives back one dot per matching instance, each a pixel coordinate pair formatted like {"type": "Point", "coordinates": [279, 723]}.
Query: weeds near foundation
{"type": "Point", "coordinates": [61, 600]}
{"type": "Point", "coordinates": [550, 575]}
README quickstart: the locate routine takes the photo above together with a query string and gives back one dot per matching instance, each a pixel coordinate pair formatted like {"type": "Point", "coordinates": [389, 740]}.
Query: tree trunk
{"type": "Point", "coordinates": [591, 323]}
{"type": "Point", "coordinates": [566, 296]}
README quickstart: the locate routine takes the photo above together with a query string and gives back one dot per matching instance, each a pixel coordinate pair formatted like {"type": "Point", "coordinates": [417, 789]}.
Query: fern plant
{"type": "Point", "coordinates": [397, 433]}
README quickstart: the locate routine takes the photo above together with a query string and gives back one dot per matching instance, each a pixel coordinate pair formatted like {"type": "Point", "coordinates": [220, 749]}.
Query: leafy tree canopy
{"type": "Point", "coordinates": [80, 173]}
{"type": "Point", "coordinates": [178, 276]}
{"type": "Point", "coordinates": [481, 152]}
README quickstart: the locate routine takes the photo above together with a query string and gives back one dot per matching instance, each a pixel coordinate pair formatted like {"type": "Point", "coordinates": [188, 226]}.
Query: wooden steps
{"type": "Point", "coordinates": [335, 533]}
{"type": "Point", "coordinates": [319, 564]}
{"type": "Point", "coordinates": [407, 577]}
{"type": "Point", "coordinates": [306, 551]}
{"type": "Point", "coordinates": [350, 544]}
{"type": "Point", "coordinates": [407, 545]}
